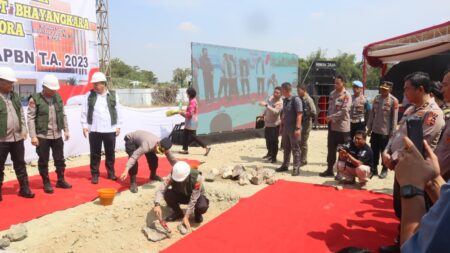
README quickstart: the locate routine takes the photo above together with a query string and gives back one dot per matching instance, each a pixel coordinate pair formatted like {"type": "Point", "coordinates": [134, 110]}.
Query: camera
{"type": "Point", "coordinates": [343, 147]}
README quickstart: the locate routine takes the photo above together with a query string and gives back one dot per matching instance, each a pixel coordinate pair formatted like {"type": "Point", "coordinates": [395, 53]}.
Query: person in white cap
{"type": "Point", "coordinates": [359, 111]}
{"type": "Point", "coordinates": [12, 132]}
{"type": "Point", "coordinates": [185, 186]}
{"type": "Point", "coordinates": [101, 120]}
{"type": "Point", "coordinates": [46, 120]}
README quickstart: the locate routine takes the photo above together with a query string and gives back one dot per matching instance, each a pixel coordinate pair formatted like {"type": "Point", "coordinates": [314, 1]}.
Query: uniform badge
{"type": "Point", "coordinates": [431, 119]}
{"type": "Point", "coordinates": [197, 186]}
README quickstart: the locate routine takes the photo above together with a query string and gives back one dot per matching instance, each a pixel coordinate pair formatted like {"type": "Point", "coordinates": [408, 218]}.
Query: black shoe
{"type": "Point", "coordinates": [338, 177]}
{"type": "Point", "coordinates": [63, 184]}
{"type": "Point", "coordinates": [155, 178]}
{"type": "Point", "coordinates": [198, 218]}
{"type": "Point", "coordinates": [346, 181]}
{"type": "Point", "coordinates": [48, 188]}
{"type": "Point", "coordinates": [94, 179]}
{"type": "Point", "coordinates": [395, 248]}
{"type": "Point", "coordinates": [326, 173]}
{"type": "Point", "coordinates": [26, 193]}
{"type": "Point", "coordinates": [112, 177]}
{"type": "Point", "coordinates": [266, 156]}
{"type": "Point", "coordinates": [383, 174]}
{"type": "Point", "coordinates": [296, 172]}
{"type": "Point", "coordinates": [133, 187]}
{"type": "Point", "coordinates": [303, 163]}
{"type": "Point", "coordinates": [281, 169]}
{"type": "Point", "coordinates": [174, 216]}
{"type": "Point", "coordinates": [274, 160]}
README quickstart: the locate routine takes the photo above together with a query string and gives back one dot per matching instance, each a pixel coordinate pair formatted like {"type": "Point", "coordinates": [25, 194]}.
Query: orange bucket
{"type": "Point", "coordinates": [194, 164]}
{"type": "Point", "coordinates": [106, 196]}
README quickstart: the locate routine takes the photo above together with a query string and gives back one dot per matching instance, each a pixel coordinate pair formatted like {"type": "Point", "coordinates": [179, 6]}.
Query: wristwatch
{"type": "Point", "coordinates": [409, 191]}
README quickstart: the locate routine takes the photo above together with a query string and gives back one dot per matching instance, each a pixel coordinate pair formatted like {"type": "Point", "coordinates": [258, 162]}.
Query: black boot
{"type": "Point", "coordinates": [133, 185]}
{"type": "Point", "coordinates": [383, 173]}
{"type": "Point", "coordinates": [24, 188]}
{"type": "Point", "coordinates": [154, 176]}
{"type": "Point", "coordinates": [46, 181]}
{"type": "Point", "coordinates": [61, 183]}
{"type": "Point", "coordinates": [327, 173]}
{"type": "Point", "coordinates": [112, 176]}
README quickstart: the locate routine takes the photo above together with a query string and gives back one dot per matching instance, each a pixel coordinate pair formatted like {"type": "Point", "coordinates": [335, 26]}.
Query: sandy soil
{"type": "Point", "coordinates": [94, 228]}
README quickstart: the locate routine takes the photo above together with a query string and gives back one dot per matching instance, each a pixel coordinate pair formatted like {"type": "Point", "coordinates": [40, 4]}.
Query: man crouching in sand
{"type": "Point", "coordinates": [184, 186]}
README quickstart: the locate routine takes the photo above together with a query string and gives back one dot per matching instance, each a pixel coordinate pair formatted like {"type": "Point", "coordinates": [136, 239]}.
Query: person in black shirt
{"type": "Point", "coordinates": [355, 160]}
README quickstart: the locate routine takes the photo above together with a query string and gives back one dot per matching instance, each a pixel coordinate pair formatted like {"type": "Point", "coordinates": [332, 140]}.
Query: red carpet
{"type": "Point", "coordinates": [14, 209]}
{"type": "Point", "coordinates": [297, 217]}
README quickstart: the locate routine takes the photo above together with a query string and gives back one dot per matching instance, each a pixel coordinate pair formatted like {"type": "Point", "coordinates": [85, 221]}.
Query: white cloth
{"type": "Point", "coordinates": [101, 119]}
{"type": "Point", "coordinates": [153, 120]}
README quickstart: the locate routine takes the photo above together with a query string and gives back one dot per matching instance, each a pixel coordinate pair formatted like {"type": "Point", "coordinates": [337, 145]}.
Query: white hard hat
{"type": "Point", "coordinates": [6, 73]}
{"type": "Point", "coordinates": [180, 171]}
{"type": "Point", "coordinates": [98, 77]}
{"type": "Point", "coordinates": [51, 82]}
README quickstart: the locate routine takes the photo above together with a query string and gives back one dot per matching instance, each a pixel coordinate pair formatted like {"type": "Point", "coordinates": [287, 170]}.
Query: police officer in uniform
{"type": "Point", "coordinates": [359, 110]}
{"type": "Point", "coordinates": [139, 143]}
{"type": "Point", "coordinates": [417, 88]}
{"type": "Point", "coordinates": [46, 119]}
{"type": "Point", "coordinates": [185, 186]}
{"type": "Point", "coordinates": [309, 114]}
{"type": "Point", "coordinates": [12, 132]}
{"type": "Point", "coordinates": [338, 118]}
{"type": "Point", "coordinates": [382, 123]}
{"type": "Point", "coordinates": [101, 120]}
{"type": "Point", "coordinates": [443, 148]}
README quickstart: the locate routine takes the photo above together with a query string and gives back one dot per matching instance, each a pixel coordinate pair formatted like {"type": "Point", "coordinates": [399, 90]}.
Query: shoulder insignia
{"type": "Point", "coordinates": [431, 119]}
{"type": "Point", "coordinates": [197, 186]}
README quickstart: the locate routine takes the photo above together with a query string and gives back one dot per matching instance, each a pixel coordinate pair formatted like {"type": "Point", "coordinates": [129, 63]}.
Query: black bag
{"type": "Point", "coordinates": [176, 136]}
{"type": "Point", "coordinates": [259, 122]}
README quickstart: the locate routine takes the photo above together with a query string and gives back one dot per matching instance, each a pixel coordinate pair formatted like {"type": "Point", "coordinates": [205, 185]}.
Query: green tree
{"type": "Point", "coordinates": [119, 68]}
{"type": "Point", "coordinates": [347, 66]}
{"type": "Point", "coordinates": [180, 76]}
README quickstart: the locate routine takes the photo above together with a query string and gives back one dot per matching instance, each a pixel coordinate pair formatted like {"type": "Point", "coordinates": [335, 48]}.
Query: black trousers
{"type": "Point", "coordinates": [17, 151]}
{"type": "Point", "coordinates": [152, 159]}
{"type": "Point", "coordinates": [271, 136]}
{"type": "Point", "coordinates": [190, 136]}
{"type": "Point", "coordinates": [335, 139]}
{"type": "Point", "coordinates": [174, 200]}
{"type": "Point", "coordinates": [378, 143]}
{"type": "Point", "coordinates": [355, 127]}
{"type": "Point", "coordinates": [109, 144]}
{"type": "Point", "coordinates": [43, 151]}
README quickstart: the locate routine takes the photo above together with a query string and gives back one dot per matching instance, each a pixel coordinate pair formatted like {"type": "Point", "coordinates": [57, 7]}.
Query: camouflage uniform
{"type": "Point", "coordinates": [309, 113]}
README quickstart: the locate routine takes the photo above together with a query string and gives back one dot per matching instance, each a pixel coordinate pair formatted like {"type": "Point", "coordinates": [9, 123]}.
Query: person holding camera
{"type": "Point", "coordinates": [355, 160]}
{"type": "Point", "coordinates": [417, 89]}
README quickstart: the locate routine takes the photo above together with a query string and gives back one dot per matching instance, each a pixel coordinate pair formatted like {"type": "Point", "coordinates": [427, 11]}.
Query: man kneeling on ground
{"type": "Point", "coordinates": [139, 143]}
{"type": "Point", "coordinates": [355, 160]}
{"type": "Point", "coordinates": [185, 186]}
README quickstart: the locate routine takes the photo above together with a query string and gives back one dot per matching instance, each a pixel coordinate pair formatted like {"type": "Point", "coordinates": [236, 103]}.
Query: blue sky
{"type": "Point", "coordinates": [156, 34]}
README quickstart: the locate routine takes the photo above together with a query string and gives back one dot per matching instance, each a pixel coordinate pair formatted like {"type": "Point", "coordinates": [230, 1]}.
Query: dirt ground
{"type": "Point", "coordinates": [117, 228]}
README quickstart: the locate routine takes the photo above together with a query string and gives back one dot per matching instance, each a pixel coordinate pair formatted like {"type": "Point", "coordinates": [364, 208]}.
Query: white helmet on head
{"type": "Point", "coordinates": [51, 82]}
{"type": "Point", "coordinates": [6, 73]}
{"type": "Point", "coordinates": [98, 77]}
{"type": "Point", "coordinates": [180, 171]}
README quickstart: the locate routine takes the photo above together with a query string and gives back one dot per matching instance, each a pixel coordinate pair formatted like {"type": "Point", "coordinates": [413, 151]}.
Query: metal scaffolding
{"type": "Point", "coordinates": [103, 37]}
